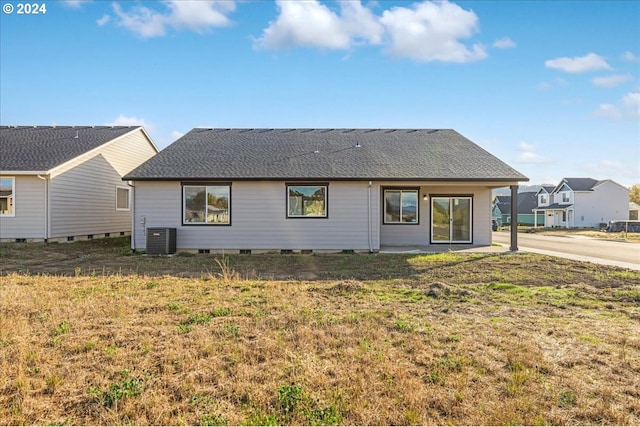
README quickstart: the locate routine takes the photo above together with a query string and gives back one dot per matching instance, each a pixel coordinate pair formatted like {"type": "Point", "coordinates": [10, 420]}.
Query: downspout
{"type": "Point", "coordinates": [369, 218]}
{"type": "Point", "coordinates": [46, 207]}
{"type": "Point", "coordinates": [133, 216]}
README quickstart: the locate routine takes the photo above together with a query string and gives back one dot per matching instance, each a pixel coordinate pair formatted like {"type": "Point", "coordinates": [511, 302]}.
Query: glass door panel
{"type": "Point", "coordinates": [440, 219]}
{"type": "Point", "coordinates": [451, 220]}
{"type": "Point", "coordinates": [461, 229]}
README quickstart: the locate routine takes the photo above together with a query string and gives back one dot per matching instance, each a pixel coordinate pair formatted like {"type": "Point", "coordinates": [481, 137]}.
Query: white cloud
{"type": "Point", "coordinates": [141, 20]}
{"type": "Point", "coordinates": [104, 20]}
{"type": "Point", "coordinates": [176, 135]}
{"type": "Point", "coordinates": [632, 103]}
{"type": "Point", "coordinates": [627, 108]}
{"type": "Point", "coordinates": [528, 154]}
{"type": "Point", "coordinates": [198, 16]}
{"type": "Point", "coordinates": [611, 81]}
{"type": "Point", "coordinates": [523, 146]}
{"type": "Point", "coordinates": [428, 31]}
{"type": "Point", "coordinates": [431, 32]}
{"type": "Point", "coordinates": [550, 85]}
{"type": "Point", "coordinates": [311, 24]}
{"type": "Point", "coordinates": [608, 111]}
{"type": "Point", "coordinates": [123, 120]}
{"type": "Point", "coordinates": [615, 170]}
{"type": "Point", "coordinates": [578, 64]}
{"type": "Point", "coordinates": [504, 43]}
{"type": "Point", "coordinates": [628, 56]}
{"type": "Point", "coordinates": [75, 3]}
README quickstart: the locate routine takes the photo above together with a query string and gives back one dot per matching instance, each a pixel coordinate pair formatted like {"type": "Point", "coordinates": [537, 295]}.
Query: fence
{"type": "Point", "coordinates": [626, 225]}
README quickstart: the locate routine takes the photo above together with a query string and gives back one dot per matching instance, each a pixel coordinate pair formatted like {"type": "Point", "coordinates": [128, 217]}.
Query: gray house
{"type": "Point", "coordinates": [65, 182]}
{"type": "Point", "coordinates": [582, 202]}
{"type": "Point", "coordinates": [318, 189]}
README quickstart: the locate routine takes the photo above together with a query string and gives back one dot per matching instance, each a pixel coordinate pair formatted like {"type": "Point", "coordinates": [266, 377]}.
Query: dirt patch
{"type": "Point", "coordinates": [113, 256]}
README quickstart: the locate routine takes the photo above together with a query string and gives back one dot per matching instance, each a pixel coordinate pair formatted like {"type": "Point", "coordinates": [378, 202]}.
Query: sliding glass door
{"type": "Point", "coordinates": [451, 219]}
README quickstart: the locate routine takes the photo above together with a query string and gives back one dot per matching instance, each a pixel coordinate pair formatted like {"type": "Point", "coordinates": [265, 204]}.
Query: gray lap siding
{"type": "Point", "coordinates": [259, 218]}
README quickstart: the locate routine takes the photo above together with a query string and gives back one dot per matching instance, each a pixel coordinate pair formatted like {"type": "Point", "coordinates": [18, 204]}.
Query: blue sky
{"type": "Point", "coordinates": [550, 87]}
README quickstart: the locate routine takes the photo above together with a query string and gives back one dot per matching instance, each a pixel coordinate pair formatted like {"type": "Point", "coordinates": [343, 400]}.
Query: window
{"type": "Point", "coordinates": [7, 196]}
{"type": "Point", "coordinates": [543, 199]}
{"type": "Point", "coordinates": [565, 197]}
{"type": "Point", "coordinates": [400, 206]}
{"type": "Point", "coordinates": [307, 201]}
{"type": "Point", "coordinates": [122, 198]}
{"type": "Point", "coordinates": [206, 204]}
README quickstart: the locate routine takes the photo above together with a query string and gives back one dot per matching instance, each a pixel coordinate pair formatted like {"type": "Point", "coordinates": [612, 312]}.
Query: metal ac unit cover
{"type": "Point", "coordinates": [161, 241]}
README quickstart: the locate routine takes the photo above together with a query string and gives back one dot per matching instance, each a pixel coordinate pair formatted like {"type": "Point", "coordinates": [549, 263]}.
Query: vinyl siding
{"type": "Point", "coordinates": [409, 234]}
{"type": "Point", "coordinates": [30, 210]}
{"type": "Point", "coordinates": [608, 201]}
{"type": "Point", "coordinates": [83, 191]}
{"type": "Point", "coordinates": [83, 201]}
{"type": "Point", "coordinates": [258, 218]}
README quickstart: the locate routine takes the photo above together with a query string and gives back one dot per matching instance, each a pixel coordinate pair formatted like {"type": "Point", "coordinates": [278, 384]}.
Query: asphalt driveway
{"type": "Point", "coordinates": [581, 248]}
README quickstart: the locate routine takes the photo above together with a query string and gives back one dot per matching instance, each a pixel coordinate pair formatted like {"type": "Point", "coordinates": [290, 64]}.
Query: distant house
{"type": "Point", "coordinates": [634, 210]}
{"type": "Point", "coordinates": [527, 201]}
{"type": "Point", "coordinates": [65, 182]}
{"type": "Point", "coordinates": [582, 202]}
{"type": "Point", "coordinates": [318, 189]}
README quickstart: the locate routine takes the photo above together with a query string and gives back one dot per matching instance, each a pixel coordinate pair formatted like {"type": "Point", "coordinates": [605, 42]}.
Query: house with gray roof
{"type": "Point", "coordinates": [527, 201]}
{"type": "Point", "coordinates": [65, 182]}
{"type": "Point", "coordinates": [582, 203]}
{"type": "Point", "coordinates": [318, 189]}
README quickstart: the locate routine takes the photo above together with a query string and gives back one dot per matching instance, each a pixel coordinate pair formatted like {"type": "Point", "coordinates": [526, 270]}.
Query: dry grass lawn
{"type": "Point", "coordinates": [467, 339]}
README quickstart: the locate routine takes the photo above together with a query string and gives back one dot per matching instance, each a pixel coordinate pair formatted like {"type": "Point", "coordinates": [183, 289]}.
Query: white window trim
{"type": "Point", "coordinates": [13, 192]}
{"type": "Point", "coordinates": [128, 208]}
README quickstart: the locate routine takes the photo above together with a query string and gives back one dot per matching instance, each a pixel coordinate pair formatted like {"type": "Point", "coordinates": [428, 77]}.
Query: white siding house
{"type": "Point", "coordinates": [583, 203]}
{"type": "Point", "coordinates": [65, 182]}
{"type": "Point", "coordinates": [318, 190]}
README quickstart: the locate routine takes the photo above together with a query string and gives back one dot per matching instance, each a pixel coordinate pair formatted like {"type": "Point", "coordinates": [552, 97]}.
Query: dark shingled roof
{"type": "Point", "coordinates": [347, 154]}
{"type": "Point", "coordinates": [578, 184]}
{"type": "Point", "coordinates": [41, 148]}
{"type": "Point", "coordinates": [527, 202]}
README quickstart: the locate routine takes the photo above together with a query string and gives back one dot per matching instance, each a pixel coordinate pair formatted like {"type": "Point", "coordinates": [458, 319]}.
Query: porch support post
{"type": "Point", "coordinates": [535, 218]}
{"type": "Point", "coordinates": [514, 218]}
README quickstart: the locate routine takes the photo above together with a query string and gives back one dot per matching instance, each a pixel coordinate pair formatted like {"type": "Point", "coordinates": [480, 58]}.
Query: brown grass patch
{"type": "Point", "coordinates": [375, 340]}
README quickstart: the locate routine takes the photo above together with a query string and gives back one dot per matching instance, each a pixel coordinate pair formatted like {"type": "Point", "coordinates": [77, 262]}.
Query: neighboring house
{"type": "Point", "coordinates": [318, 189]}
{"type": "Point", "coordinates": [501, 210]}
{"type": "Point", "coordinates": [634, 210]}
{"type": "Point", "coordinates": [582, 202]}
{"type": "Point", "coordinates": [527, 201]}
{"type": "Point", "coordinates": [65, 182]}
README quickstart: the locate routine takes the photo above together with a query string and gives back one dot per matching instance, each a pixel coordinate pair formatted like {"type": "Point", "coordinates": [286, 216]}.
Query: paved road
{"type": "Point", "coordinates": [581, 248]}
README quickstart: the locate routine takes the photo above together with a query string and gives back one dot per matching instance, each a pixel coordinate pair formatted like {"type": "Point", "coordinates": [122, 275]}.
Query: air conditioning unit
{"type": "Point", "coordinates": [161, 241]}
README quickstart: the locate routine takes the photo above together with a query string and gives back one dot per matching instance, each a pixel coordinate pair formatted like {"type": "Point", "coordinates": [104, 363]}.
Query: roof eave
{"type": "Point", "coordinates": [324, 178]}
{"type": "Point", "coordinates": [5, 172]}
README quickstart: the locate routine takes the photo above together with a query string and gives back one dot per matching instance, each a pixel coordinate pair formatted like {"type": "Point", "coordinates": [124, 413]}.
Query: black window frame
{"type": "Point", "coordinates": [307, 184]}
{"type": "Point", "coordinates": [206, 184]}
{"type": "Point", "coordinates": [401, 190]}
